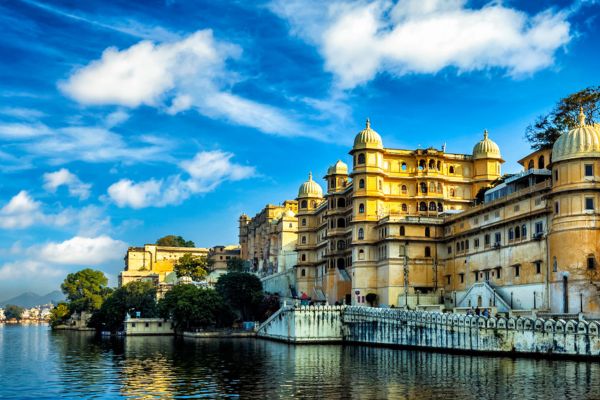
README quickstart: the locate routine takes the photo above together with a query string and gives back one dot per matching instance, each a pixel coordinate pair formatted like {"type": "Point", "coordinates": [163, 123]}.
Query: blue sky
{"type": "Point", "coordinates": [121, 122]}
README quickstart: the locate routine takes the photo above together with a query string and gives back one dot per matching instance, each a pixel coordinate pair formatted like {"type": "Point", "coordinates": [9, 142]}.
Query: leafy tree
{"type": "Point", "coordinates": [242, 291]}
{"type": "Point", "coordinates": [236, 264]}
{"type": "Point", "coordinates": [191, 307]}
{"type": "Point", "coordinates": [174, 241]}
{"type": "Point", "coordinates": [59, 314]}
{"type": "Point", "coordinates": [12, 311]}
{"type": "Point", "coordinates": [371, 298]}
{"type": "Point", "coordinates": [564, 116]}
{"type": "Point", "coordinates": [268, 306]}
{"type": "Point", "coordinates": [192, 266]}
{"type": "Point", "coordinates": [131, 298]}
{"type": "Point", "coordinates": [85, 290]}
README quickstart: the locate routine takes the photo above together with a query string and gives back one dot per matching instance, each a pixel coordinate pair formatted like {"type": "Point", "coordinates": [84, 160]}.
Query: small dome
{"type": "Point", "coordinates": [486, 148]}
{"type": "Point", "coordinates": [339, 168]}
{"type": "Point", "coordinates": [368, 138]}
{"type": "Point", "coordinates": [583, 141]}
{"type": "Point", "coordinates": [310, 188]}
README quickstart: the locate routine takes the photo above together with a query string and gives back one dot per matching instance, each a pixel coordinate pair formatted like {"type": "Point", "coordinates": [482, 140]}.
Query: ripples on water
{"type": "Point", "coordinates": [38, 363]}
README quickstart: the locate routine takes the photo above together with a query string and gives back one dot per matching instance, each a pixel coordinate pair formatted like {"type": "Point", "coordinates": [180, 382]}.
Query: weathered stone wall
{"type": "Point", "coordinates": [304, 325]}
{"type": "Point", "coordinates": [471, 333]}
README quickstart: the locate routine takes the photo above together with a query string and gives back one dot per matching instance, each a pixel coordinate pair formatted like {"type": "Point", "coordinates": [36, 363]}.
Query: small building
{"type": "Point", "coordinates": [148, 327]}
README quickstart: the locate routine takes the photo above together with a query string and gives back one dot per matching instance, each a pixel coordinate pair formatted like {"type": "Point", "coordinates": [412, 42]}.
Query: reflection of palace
{"type": "Point", "coordinates": [404, 224]}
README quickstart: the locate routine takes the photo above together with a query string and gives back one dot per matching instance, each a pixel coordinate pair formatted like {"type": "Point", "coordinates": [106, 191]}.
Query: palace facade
{"type": "Point", "coordinates": [425, 227]}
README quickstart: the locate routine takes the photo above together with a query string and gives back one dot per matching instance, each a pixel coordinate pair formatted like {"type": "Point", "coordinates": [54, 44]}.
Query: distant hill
{"type": "Point", "coordinates": [29, 299]}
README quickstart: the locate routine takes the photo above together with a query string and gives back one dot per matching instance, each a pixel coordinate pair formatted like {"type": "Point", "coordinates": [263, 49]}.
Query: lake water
{"type": "Point", "coordinates": [38, 363]}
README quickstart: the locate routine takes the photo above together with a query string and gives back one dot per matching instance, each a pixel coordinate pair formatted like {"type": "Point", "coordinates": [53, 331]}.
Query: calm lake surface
{"type": "Point", "coordinates": [38, 363]}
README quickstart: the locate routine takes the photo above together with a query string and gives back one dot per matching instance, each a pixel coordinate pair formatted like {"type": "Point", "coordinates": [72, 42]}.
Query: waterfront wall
{"type": "Point", "coordinates": [471, 333]}
{"type": "Point", "coordinates": [304, 325]}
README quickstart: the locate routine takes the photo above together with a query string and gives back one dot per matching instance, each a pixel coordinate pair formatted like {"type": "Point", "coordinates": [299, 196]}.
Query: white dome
{"type": "Point", "coordinates": [310, 188]}
{"type": "Point", "coordinates": [339, 168]}
{"type": "Point", "coordinates": [583, 141]}
{"type": "Point", "coordinates": [368, 138]}
{"type": "Point", "coordinates": [486, 148]}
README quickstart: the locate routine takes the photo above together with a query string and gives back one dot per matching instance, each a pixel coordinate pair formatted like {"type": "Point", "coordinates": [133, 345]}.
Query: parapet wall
{"type": "Point", "coordinates": [304, 325]}
{"type": "Point", "coordinates": [471, 333]}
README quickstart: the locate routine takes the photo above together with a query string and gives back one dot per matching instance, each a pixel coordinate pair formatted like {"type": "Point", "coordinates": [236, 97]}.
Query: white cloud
{"type": "Point", "coordinates": [53, 180]}
{"type": "Point", "coordinates": [206, 170]}
{"type": "Point", "coordinates": [20, 212]}
{"type": "Point", "coordinates": [22, 113]}
{"type": "Point", "coordinates": [176, 76]}
{"type": "Point", "coordinates": [28, 269]}
{"type": "Point", "coordinates": [20, 131]}
{"type": "Point", "coordinates": [83, 250]}
{"type": "Point", "coordinates": [361, 39]}
{"type": "Point", "coordinates": [116, 118]}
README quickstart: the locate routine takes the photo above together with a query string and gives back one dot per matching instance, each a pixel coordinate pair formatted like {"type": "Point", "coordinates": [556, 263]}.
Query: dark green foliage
{"type": "Point", "coordinates": [59, 314]}
{"type": "Point", "coordinates": [547, 128]}
{"type": "Point", "coordinates": [191, 307]}
{"type": "Point", "coordinates": [174, 241]}
{"type": "Point", "coordinates": [193, 267]}
{"type": "Point", "coordinates": [85, 290]}
{"type": "Point", "coordinates": [371, 298]}
{"type": "Point", "coordinates": [268, 306]}
{"type": "Point", "coordinates": [243, 292]}
{"type": "Point", "coordinates": [235, 264]}
{"type": "Point", "coordinates": [11, 311]}
{"type": "Point", "coordinates": [131, 298]}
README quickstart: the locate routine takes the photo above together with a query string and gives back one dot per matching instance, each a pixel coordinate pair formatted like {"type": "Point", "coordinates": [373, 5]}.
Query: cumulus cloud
{"type": "Point", "coordinates": [63, 177]}
{"type": "Point", "coordinates": [361, 39]}
{"type": "Point", "coordinates": [26, 269]}
{"type": "Point", "coordinates": [20, 212]}
{"type": "Point", "coordinates": [175, 76]}
{"type": "Point", "coordinates": [83, 250]}
{"type": "Point", "coordinates": [207, 170]}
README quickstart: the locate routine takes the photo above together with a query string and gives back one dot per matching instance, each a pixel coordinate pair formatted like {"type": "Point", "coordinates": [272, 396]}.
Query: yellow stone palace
{"type": "Point", "coordinates": [426, 228]}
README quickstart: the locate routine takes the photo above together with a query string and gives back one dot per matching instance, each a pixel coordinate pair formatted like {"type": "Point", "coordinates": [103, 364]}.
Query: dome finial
{"type": "Point", "coordinates": [368, 123]}
{"type": "Point", "coordinates": [581, 116]}
{"type": "Point", "coordinates": [485, 133]}
{"type": "Point", "coordinates": [310, 176]}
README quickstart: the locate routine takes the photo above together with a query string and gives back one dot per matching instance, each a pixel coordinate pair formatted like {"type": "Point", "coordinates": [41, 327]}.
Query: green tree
{"type": "Point", "coordinates": [191, 307]}
{"type": "Point", "coordinates": [174, 241]}
{"type": "Point", "coordinates": [242, 291]}
{"type": "Point", "coordinates": [12, 311]}
{"type": "Point", "coordinates": [564, 116]}
{"type": "Point", "coordinates": [85, 290]}
{"type": "Point", "coordinates": [59, 314]}
{"type": "Point", "coordinates": [137, 296]}
{"type": "Point", "coordinates": [236, 264]}
{"type": "Point", "coordinates": [195, 267]}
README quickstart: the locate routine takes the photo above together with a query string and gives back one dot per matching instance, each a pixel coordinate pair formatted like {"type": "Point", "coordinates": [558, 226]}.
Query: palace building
{"type": "Point", "coordinates": [427, 228]}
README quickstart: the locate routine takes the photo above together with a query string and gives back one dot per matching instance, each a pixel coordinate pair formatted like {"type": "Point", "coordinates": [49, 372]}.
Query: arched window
{"type": "Point", "coordinates": [422, 165]}
{"type": "Point", "coordinates": [432, 206]}
{"type": "Point", "coordinates": [511, 234]}
{"type": "Point", "coordinates": [341, 202]}
{"type": "Point", "coordinates": [524, 231]}
{"type": "Point", "coordinates": [427, 232]}
{"type": "Point", "coordinates": [404, 189]}
{"type": "Point", "coordinates": [452, 192]}
{"type": "Point", "coordinates": [530, 165]}
{"type": "Point", "coordinates": [422, 206]}
{"type": "Point", "coordinates": [427, 251]}
{"type": "Point", "coordinates": [361, 158]}
{"type": "Point", "coordinates": [303, 222]}
{"type": "Point", "coordinates": [404, 208]}
{"type": "Point", "coordinates": [341, 245]}
{"type": "Point", "coordinates": [439, 166]}
{"type": "Point", "coordinates": [361, 254]}
{"type": "Point", "coordinates": [341, 223]}
{"type": "Point", "coordinates": [440, 207]}
{"type": "Point", "coordinates": [451, 170]}
{"type": "Point", "coordinates": [380, 184]}
{"type": "Point", "coordinates": [361, 208]}
{"type": "Point", "coordinates": [432, 187]}
{"type": "Point", "coordinates": [361, 234]}
{"type": "Point", "coordinates": [303, 204]}
{"type": "Point", "coordinates": [541, 163]}
{"type": "Point", "coordinates": [439, 187]}
{"type": "Point", "coordinates": [403, 166]}
{"type": "Point", "coordinates": [313, 204]}
{"type": "Point", "coordinates": [303, 239]}
{"type": "Point", "coordinates": [517, 232]}
{"type": "Point", "coordinates": [423, 187]}
{"type": "Point", "coordinates": [303, 257]}
{"type": "Point", "coordinates": [402, 231]}
{"type": "Point", "coordinates": [431, 164]}
{"type": "Point", "coordinates": [332, 183]}
{"type": "Point", "coordinates": [303, 272]}
{"type": "Point", "coordinates": [361, 184]}
{"type": "Point", "coordinates": [591, 261]}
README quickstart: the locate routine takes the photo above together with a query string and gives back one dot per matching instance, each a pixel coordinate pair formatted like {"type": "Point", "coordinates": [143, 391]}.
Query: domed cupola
{"type": "Point", "coordinates": [583, 141]}
{"type": "Point", "coordinates": [368, 139]}
{"type": "Point", "coordinates": [310, 189]}
{"type": "Point", "coordinates": [486, 148]}
{"type": "Point", "coordinates": [339, 168]}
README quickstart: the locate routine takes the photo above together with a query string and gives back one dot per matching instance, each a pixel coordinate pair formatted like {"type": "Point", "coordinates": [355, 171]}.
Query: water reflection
{"type": "Point", "coordinates": [37, 363]}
